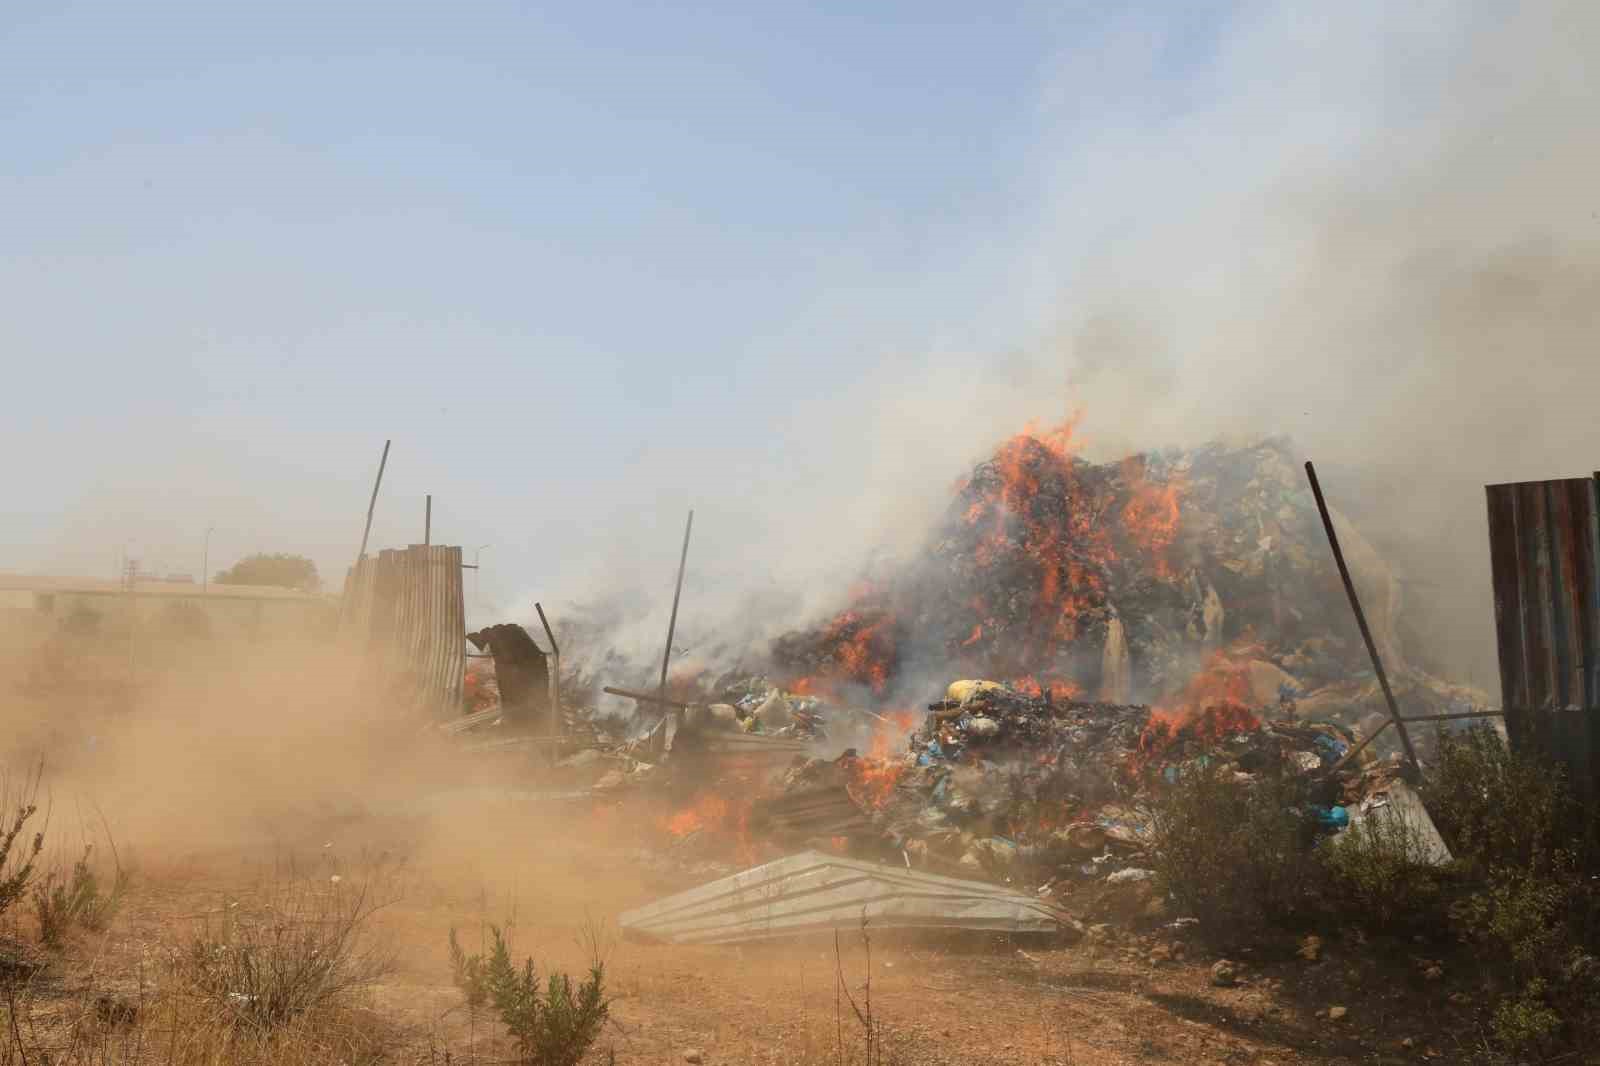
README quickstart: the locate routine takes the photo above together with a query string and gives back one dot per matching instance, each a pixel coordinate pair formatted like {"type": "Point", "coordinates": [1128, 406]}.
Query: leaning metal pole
{"type": "Point", "coordinates": [555, 672]}
{"type": "Point", "coordinates": [672, 622]}
{"type": "Point", "coordinates": [366, 531]}
{"type": "Point", "coordinates": [1361, 618]}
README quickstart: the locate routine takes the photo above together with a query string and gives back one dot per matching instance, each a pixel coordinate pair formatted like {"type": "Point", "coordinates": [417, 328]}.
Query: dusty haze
{"type": "Point", "coordinates": [1374, 231]}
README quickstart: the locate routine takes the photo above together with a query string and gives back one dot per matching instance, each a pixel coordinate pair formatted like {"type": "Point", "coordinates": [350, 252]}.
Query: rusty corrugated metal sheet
{"type": "Point", "coordinates": [405, 607]}
{"type": "Point", "coordinates": [1544, 544]}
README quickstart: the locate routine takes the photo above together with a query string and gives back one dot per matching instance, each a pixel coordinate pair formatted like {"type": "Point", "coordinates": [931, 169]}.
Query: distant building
{"type": "Point", "coordinates": [98, 606]}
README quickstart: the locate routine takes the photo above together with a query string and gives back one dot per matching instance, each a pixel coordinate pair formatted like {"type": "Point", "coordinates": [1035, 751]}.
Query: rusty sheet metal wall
{"type": "Point", "coordinates": [405, 606]}
{"type": "Point", "coordinates": [1544, 543]}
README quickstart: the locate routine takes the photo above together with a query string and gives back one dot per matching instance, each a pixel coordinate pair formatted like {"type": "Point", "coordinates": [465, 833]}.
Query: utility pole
{"type": "Point", "coordinates": [205, 563]}
{"type": "Point", "coordinates": [477, 575]}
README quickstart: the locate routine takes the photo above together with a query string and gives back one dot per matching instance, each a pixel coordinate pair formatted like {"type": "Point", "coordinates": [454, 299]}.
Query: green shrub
{"type": "Point", "coordinates": [551, 1026]}
{"type": "Point", "coordinates": [61, 901]}
{"type": "Point", "coordinates": [1235, 854]}
{"type": "Point", "coordinates": [1498, 809]}
{"type": "Point", "coordinates": [18, 860]}
{"type": "Point", "coordinates": [1532, 914]}
{"type": "Point", "coordinates": [1524, 1023]}
{"type": "Point", "coordinates": [1379, 877]}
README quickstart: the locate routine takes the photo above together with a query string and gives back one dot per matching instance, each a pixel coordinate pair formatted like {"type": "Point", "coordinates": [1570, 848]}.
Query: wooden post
{"type": "Point", "coordinates": [427, 522]}
{"type": "Point", "coordinates": [1361, 618]}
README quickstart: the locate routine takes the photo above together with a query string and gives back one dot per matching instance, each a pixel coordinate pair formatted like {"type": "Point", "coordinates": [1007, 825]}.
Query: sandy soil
{"type": "Point", "coordinates": [939, 1000]}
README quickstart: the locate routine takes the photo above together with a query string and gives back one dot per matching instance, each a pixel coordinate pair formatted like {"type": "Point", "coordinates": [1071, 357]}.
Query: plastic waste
{"type": "Point", "coordinates": [1332, 818]}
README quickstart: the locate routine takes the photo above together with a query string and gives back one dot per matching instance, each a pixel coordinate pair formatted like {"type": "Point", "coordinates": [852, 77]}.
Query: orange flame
{"type": "Point", "coordinates": [1214, 705]}
{"type": "Point", "coordinates": [1150, 516]}
{"type": "Point", "coordinates": [871, 779]}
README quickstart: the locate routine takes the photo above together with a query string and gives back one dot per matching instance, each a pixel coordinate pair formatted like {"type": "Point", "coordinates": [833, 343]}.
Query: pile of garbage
{"type": "Point", "coordinates": [1006, 785]}
{"type": "Point", "coordinates": [1119, 582]}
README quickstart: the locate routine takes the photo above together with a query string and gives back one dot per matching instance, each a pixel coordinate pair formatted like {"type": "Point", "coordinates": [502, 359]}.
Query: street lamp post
{"type": "Point", "coordinates": [205, 564]}
{"type": "Point", "coordinates": [477, 575]}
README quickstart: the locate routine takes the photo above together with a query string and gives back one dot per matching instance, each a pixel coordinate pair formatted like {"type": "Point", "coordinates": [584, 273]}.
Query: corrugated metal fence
{"type": "Point", "coordinates": [1544, 543]}
{"type": "Point", "coordinates": [404, 607]}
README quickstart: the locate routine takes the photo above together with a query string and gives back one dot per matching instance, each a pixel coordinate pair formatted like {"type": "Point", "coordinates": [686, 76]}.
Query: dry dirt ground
{"type": "Point", "coordinates": [223, 779]}
{"type": "Point", "coordinates": [961, 1000]}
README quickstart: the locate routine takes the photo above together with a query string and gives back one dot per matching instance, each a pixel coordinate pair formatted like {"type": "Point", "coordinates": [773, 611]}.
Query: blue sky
{"type": "Point", "coordinates": [795, 265]}
{"type": "Point", "coordinates": [539, 245]}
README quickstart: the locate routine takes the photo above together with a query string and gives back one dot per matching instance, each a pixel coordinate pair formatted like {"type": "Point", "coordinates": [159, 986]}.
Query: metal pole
{"type": "Point", "coordinates": [367, 530]}
{"type": "Point", "coordinates": [644, 697]}
{"type": "Point", "coordinates": [672, 623]}
{"type": "Point", "coordinates": [205, 564]}
{"type": "Point", "coordinates": [427, 521]}
{"type": "Point", "coordinates": [477, 575]}
{"type": "Point", "coordinates": [555, 671]}
{"type": "Point", "coordinates": [1361, 618]}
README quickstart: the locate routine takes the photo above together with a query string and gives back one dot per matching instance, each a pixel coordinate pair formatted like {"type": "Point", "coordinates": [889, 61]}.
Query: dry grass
{"type": "Point", "coordinates": [98, 1028]}
{"type": "Point", "coordinates": [282, 977]}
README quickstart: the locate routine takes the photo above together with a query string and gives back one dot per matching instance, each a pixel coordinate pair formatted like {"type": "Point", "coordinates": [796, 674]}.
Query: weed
{"type": "Point", "coordinates": [551, 1025]}
{"type": "Point", "coordinates": [873, 1032]}
{"type": "Point", "coordinates": [18, 855]}
{"type": "Point", "coordinates": [61, 901]}
{"type": "Point", "coordinates": [307, 948]}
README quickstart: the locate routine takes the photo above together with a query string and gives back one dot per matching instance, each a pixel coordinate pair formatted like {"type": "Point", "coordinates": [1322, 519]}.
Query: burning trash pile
{"type": "Point", "coordinates": [1137, 619]}
{"type": "Point", "coordinates": [1119, 583]}
{"type": "Point", "coordinates": [1007, 785]}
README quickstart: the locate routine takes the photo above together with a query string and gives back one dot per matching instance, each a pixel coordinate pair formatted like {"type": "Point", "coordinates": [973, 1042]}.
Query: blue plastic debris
{"type": "Point", "coordinates": [1333, 818]}
{"type": "Point", "coordinates": [1329, 749]}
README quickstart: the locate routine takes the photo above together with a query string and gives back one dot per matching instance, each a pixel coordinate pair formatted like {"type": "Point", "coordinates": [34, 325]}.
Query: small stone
{"type": "Point", "coordinates": [1337, 1014]}
{"type": "Point", "coordinates": [1311, 948]}
{"type": "Point", "coordinates": [694, 1056]}
{"type": "Point", "coordinates": [1461, 999]}
{"type": "Point", "coordinates": [1224, 974]}
{"type": "Point", "coordinates": [1433, 973]}
{"type": "Point", "coordinates": [1409, 1042]}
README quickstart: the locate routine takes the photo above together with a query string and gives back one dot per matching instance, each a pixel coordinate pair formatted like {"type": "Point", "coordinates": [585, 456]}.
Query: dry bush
{"type": "Point", "coordinates": [79, 897]}
{"type": "Point", "coordinates": [19, 854]}
{"type": "Point", "coordinates": [307, 947]}
{"type": "Point", "coordinates": [98, 1028]}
